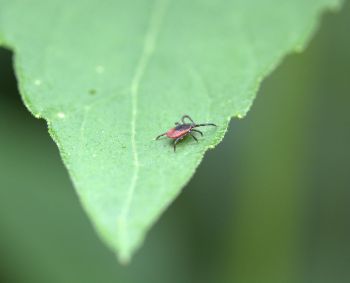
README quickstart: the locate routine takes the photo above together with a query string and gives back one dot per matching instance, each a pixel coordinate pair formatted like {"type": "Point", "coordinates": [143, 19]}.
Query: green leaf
{"type": "Point", "coordinates": [109, 76]}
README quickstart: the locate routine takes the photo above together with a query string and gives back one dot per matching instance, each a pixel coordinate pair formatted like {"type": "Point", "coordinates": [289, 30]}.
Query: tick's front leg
{"type": "Point", "coordinates": [197, 131]}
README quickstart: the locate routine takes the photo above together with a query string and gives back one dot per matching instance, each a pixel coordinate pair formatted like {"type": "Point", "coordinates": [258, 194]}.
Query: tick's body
{"type": "Point", "coordinates": [179, 131]}
{"type": "Point", "coordinates": [182, 130]}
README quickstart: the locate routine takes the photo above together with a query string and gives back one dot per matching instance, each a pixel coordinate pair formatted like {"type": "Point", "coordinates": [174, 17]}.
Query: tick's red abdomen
{"type": "Point", "coordinates": [178, 131]}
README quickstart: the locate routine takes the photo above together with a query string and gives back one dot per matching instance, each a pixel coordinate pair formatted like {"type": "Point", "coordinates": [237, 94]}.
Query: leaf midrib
{"type": "Point", "coordinates": [154, 26]}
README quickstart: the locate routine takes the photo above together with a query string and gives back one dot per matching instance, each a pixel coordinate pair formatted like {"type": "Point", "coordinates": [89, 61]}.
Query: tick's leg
{"type": "Point", "coordinates": [193, 137]}
{"type": "Point", "coordinates": [160, 136]}
{"type": "Point", "coordinates": [205, 124]}
{"type": "Point", "coordinates": [198, 131]}
{"type": "Point", "coordinates": [176, 141]}
{"type": "Point", "coordinates": [187, 117]}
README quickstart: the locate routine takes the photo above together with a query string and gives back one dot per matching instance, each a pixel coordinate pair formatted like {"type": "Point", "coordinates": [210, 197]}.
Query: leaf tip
{"type": "Point", "coordinates": [124, 257]}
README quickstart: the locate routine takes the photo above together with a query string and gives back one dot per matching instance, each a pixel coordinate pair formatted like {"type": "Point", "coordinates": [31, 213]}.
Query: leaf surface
{"type": "Point", "coordinates": [109, 76]}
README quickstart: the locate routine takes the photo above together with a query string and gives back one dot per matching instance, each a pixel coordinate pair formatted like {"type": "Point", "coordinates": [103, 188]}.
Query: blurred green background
{"type": "Point", "coordinates": [269, 204]}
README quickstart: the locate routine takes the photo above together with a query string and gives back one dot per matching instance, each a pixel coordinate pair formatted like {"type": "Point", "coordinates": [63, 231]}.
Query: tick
{"type": "Point", "coordinates": [184, 129]}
